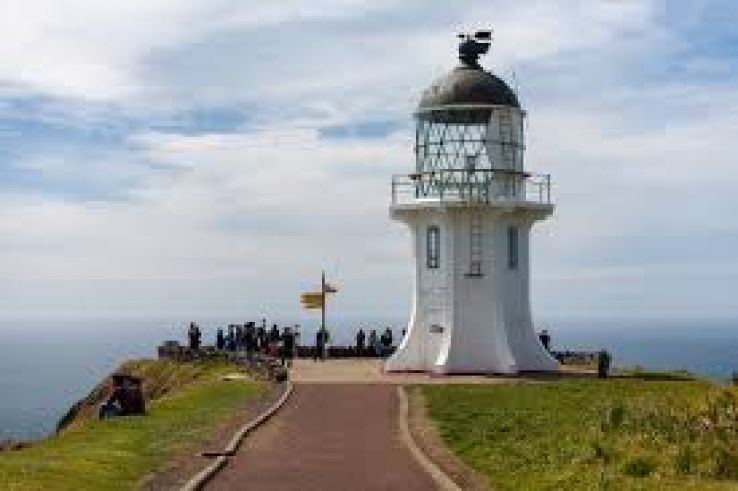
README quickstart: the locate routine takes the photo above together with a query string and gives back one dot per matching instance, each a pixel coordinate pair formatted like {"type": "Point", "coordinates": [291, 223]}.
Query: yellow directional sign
{"type": "Point", "coordinates": [316, 300]}
{"type": "Point", "coordinates": [312, 300]}
{"type": "Point", "coordinates": [311, 297]}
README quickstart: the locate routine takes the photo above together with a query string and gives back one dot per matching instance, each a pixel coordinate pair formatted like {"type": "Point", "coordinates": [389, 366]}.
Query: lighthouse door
{"type": "Point", "coordinates": [433, 338]}
{"type": "Point", "coordinates": [434, 325]}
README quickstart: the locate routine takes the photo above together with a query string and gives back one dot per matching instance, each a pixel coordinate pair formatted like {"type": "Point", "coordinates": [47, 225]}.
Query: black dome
{"type": "Point", "coordinates": [468, 84]}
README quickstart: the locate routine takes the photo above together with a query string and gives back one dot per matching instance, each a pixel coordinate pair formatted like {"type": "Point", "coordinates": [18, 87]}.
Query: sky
{"type": "Point", "coordinates": [197, 158]}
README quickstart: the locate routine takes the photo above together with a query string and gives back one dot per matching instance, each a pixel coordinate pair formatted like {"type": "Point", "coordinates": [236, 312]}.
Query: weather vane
{"type": "Point", "coordinates": [473, 45]}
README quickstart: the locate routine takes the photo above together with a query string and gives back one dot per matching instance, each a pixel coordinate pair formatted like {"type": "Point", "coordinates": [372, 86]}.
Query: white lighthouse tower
{"type": "Point", "coordinates": [470, 206]}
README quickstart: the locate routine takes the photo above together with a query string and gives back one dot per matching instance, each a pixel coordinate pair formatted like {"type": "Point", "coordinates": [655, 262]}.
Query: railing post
{"type": "Point", "coordinates": [548, 189]}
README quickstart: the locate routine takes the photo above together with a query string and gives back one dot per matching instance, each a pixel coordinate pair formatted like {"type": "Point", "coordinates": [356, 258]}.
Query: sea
{"type": "Point", "coordinates": [47, 365]}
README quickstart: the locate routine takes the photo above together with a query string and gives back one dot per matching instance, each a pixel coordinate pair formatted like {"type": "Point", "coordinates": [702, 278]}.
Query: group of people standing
{"type": "Point", "coordinates": [283, 343]}
{"type": "Point", "coordinates": [254, 339]}
{"type": "Point", "coordinates": [377, 345]}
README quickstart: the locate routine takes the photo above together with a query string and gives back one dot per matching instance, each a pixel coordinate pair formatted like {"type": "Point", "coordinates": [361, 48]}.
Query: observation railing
{"type": "Point", "coordinates": [479, 186]}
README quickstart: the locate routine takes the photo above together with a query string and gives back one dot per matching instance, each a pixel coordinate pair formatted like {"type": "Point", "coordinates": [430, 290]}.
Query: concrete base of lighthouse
{"type": "Point", "coordinates": [471, 320]}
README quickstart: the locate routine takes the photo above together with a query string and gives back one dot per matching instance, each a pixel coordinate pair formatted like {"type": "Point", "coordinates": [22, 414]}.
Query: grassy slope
{"type": "Point", "coordinates": [116, 454]}
{"type": "Point", "coordinates": [563, 435]}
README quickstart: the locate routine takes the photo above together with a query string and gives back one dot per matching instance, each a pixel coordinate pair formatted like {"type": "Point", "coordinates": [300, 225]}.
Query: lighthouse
{"type": "Point", "coordinates": [470, 205]}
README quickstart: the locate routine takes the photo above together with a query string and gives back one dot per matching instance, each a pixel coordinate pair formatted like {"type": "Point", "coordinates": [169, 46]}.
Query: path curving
{"type": "Point", "coordinates": [328, 437]}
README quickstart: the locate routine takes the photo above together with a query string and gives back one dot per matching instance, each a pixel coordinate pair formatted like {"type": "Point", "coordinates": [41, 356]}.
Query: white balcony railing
{"type": "Point", "coordinates": [479, 186]}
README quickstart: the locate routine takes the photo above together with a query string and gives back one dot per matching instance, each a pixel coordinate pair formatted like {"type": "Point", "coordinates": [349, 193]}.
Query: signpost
{"type": "Point", "coordinates": [316, 300]}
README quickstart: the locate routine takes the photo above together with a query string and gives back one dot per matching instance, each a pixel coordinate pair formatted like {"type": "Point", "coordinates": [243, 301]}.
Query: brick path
{"type": "Point", "coordinates": [328, 437]}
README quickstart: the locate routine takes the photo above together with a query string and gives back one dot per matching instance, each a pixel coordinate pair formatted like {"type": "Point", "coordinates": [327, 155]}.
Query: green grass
{"type": "Point", "coordinates": [117, 453]}
{"type": "Point", "coordinates": [627, 433]}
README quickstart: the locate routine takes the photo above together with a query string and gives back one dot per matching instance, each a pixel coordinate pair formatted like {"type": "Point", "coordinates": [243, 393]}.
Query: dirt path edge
{"type": "Point", "coordinates": [442, 480]}
{"type": "Point", "coordinates": [201, 478]}
{"type": "Point", "coordinates": [425, 436]}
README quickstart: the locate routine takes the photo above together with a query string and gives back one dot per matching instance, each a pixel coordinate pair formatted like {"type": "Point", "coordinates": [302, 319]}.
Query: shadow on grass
{"type": "Point", "coordinates": [676, 376]}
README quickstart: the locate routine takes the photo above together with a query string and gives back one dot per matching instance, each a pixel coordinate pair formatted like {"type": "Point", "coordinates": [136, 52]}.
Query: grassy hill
{"type": "Point", "coordinates": [625, 433]}
{"type": "Point", "coordinates": [185, 402]}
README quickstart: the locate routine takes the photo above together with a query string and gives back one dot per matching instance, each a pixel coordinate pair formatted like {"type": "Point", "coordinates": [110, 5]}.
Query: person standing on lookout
{"type": "Point", "coordinates": [239, 337]}
{"type": "Point", "coordinates": [195, 336]}
{"type": "Point", "coordinates": [296, 333]}
{"type": "Point", "coordinates": [230, 338]}
{"type": "Point", "coordinates": [603, 363]}
{"type": "Point", "coordinates": [373, 343]}
{"type": "Point", "coordinates": [191, 336]}
{"type": "Point", "coordinates": [261, 336]}
{"type": "Point", "coordinates": [220, 339]}
{"type": "Point", "coordinates": [360, 340]}
{"type": "Point", "coordinates": [274, 337]}
{"type": "Point", "coordinates": [387, 339]}
{"type": "Point", "coordinates": [545, 338]}
{"type": "Point", "coordinates": [320, 340]}
{"type": "Point", "coordinates": [250, 337]}
{"type": "Point", "coordinates": [288, 347]}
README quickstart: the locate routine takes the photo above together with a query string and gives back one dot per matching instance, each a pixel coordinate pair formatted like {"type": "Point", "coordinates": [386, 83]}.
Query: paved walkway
{"type": "Point", "coordinates": [333, 436]}
{"type": "Point", "coordinates": [368, 370]}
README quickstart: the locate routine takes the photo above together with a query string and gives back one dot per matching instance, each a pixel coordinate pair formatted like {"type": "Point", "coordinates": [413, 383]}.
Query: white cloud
{"type": "Point", "coordinates": [95, 50]}
{"type": "Point", "coordinates": [257, 211]}
{"type": "Point", "coordinates": [242, 219]}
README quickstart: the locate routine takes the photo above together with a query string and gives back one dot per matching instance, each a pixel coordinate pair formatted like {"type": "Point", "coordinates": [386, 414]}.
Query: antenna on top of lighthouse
{"type": "Point", "coordinates": [515, 84]}
{"type": "Point", "coordinates": [473, 45]}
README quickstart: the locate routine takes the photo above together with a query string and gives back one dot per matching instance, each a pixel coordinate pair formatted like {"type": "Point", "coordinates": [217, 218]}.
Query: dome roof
{"type": "Point", "coordinates": [468, 84]}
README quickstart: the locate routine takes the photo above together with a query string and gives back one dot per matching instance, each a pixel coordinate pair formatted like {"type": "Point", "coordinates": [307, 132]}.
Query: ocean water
{"type": "Point", "coordinates": [46, 366]}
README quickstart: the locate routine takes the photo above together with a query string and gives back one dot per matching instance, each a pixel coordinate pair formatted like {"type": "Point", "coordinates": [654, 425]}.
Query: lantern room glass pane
{"type": "Point", "coordinates": [447, 145]}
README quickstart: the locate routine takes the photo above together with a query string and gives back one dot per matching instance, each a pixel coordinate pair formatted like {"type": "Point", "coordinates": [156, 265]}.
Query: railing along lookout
{"type": "Point", "coordinates": [480, 186]}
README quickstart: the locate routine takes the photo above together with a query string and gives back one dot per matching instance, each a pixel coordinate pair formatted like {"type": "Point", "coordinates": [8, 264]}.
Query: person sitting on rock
{"type": "Point", "coordinates": [126, 398]}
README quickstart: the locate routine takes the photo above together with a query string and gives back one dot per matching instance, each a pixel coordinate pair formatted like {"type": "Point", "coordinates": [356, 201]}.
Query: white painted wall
{"type": "Point", "coordinates": [486, 321]}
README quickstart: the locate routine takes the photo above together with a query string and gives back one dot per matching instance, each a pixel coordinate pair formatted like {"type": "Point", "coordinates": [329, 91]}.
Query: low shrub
{"type": "Point", "coordinates": [281, 375]}
{"type": "Point", "coordinates": [641, 466]}
{"type": "Point", "coordinates": [702, 439]}
{"type": "Point", "coordinates": [685, 460]}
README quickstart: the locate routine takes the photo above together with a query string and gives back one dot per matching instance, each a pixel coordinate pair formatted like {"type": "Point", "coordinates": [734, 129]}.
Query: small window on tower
{"type": "Point", "coordinates": [512, 247]}
{"type": "Point", "coordinates": [433, 247]}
